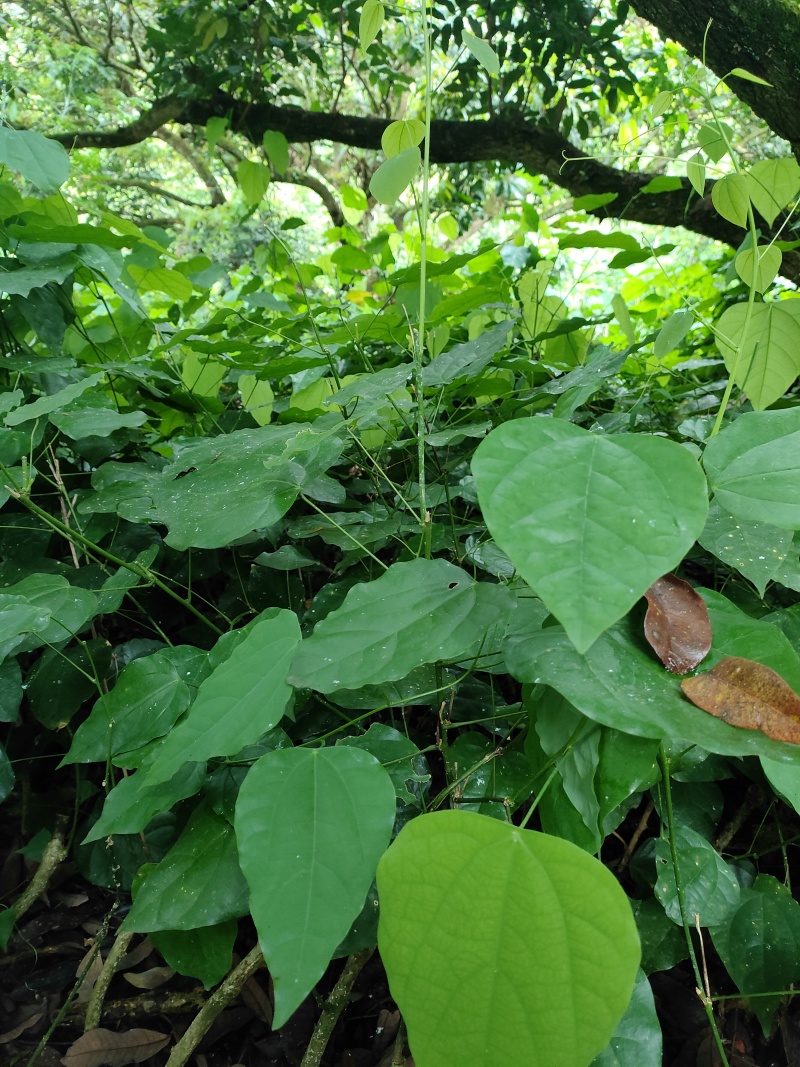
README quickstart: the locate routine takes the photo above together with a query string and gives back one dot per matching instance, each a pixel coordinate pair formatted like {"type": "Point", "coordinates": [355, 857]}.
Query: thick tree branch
{"type": "Point", "coordinates": [195, 161]}
{"type": "Point", "coordinates": [540, 150]}
{"type": "Point", "coordinates": [762, 36]}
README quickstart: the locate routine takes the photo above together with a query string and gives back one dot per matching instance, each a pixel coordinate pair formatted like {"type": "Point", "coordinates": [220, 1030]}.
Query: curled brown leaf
{"type": "Point", "coordinates": [677, 624]}
{"type": "Point", "coordinates": [748, 694]}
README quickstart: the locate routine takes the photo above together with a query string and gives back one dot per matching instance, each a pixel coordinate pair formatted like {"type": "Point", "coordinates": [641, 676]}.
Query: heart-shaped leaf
{"type": "Point", "coordinates": [758, 268]}
{"type": "Point", "coordinates": [677, 624]}
{"type": "Point", "coordinates": [401, 135]}
{"type": "Point", "coordinates": [731, 199]}
{"type": "Point", "coordinates": [748, 694]}
{"type": "Point", "coordinates": [589, 521]}
{"type": "Point", "coordinates": [773, 184]}
{"type": "Point", "coordinates": [394, 175]}
{"type": "Point", "coordinates": [769, 361]}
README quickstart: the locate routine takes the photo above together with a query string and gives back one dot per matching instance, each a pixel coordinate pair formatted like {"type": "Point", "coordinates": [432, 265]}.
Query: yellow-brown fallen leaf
{"type": "Point", "coordinates": [677, 624]}
{"type": "Point", "coordinates": [748, 694]}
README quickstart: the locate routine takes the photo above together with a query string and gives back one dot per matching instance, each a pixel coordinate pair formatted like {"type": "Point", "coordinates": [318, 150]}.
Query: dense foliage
{"type": "Point", "coordinates": [323, 564]}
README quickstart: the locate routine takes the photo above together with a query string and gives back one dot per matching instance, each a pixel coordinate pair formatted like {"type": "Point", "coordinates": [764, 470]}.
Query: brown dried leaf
{"type": "Point", "coordinates": [104, 1048]}
{"type": "Point", "coordinates": [677, 624]}
{"type": "Point", "coordinates": [748, 694]}
{"type": "Point", "coordinates": [151, 979]}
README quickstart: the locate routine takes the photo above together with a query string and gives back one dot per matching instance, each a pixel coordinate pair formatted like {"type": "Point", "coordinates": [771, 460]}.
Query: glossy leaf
{"type": "Point", "coordinates": [198, 883]}
{"type": "Point", "coordinates": [206, 953]}
{"type": "Point", "coordinates": [710, 888]}
{"type": "Point", "coordinates": [424, 611]}
{"type": "Point", "coordinates": [403, 761]}
{"type": "Point", "coordinates": [768, 361]}
{"type": "Point", "coordinates": [759, 943]}
{"type": "Point", "coordinates": [243, 698]}
{"type": "Point", "coordinates": [748, 695]}
{"type": "Point", "coordinates": [637, 1038]}
{"type": "Point", "coordinates": [467, 360]}
{"type": "Point", "coordinates": [677, 625]}
{"type": "Point", "coordinates": [619, 683]}
{"type": "Point", "coordinates": [134, 801]}
{"type": "Point", "coordinates": [311, 825]}
{"type": "Point", "coordinates": [753, 467]}
{"type": "Point", "coordinates": [756, 549]}
{"type": "Point", "coordinates": [730, 197]}
{"type": "Point", "coordinates": [609, 515]}
{"type": "Point", "coordinates": [394, 176]}
{"type": "Point", "coordinates": [466, 904]}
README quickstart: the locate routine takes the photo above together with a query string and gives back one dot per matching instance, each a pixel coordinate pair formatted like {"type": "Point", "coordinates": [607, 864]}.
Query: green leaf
{"type": "Point", "coordinates": [753, 467]}
{"type": "Point", "coordinates": [664, 183]}
{"type": "Point", "coordinates": [712, 141]}
{"type": "Point", "coordinates": [770, 360]}
{"type": "Point", "coordinates": [745, 75]}
{"type": "Point", "coordinates": [206, 953]}
{"type": "Point", "coordinates": [595, 239]}
{"type": "Point", "coordinates": [394, 175]}
{"type": "Point", "coordinates": [68, 609]}
{"type": "Point", "coordinates": [672, 333]}
{"type": "Point", "coordinates": [135, 800]}
{"type": "Point", "coordinates": [424, 611]}
{"type": "Point", "coordinates": [7, 777]}
{"type": "Point", "coordinates": [467, 360]}
{"type": "Point", "coordinates": [609, 515]}
{"type": "Point", "coordinates": [483, 52]}
{"type": "Point", "coordinates": [466, 904]}
{"type": "Point", "coordinates": [44, 163]}
{"type": "Point", "coordinates": [758, 267]}
{"type": "Point", "coordinates": [662, 101]}
{"type": "Point", "coordinates": [492, 780]}
{"type": "Point", "coordinates": [592, 201]}
{"type": "Point", "coordinates": [663, 943]}
{"type": "Point", "coordinates": [277, 148]}
{"type": "Point", "coordinates": [784, 778]}
{"type": "Point", "coordinates": [399, 756]}
{"type": "Point", "coordinates": [253, 179]}
{"type": "Point", "coordinates": [759, 943]}
{"type": "Point", "coordinates": [619, 682]}
{"type": "Point", "coordinates": [370, 22]}
{"type": "Point", "coordinates": [696, 173]}
{"type": "Point", "coordinates": [756, 549]}
{"type": "Point", "coordinates": [772, 185]}
{"type": "Point", "coordinates": [94, 415]}
{"type": "Point", "coordinates": [45, 404]}
{"type": "Point", "coordinates": [710, 888]}
{"type": "Point", "coordinates": [401, 135]}
{"type": "Point", "coordinates": [198, 883]}
{"type": "Point", "coordinates": [731, 198]}
{"type": "Point", "coordinates": [161, 280]}
{"type": "Point", "coordinates": [637, 1040]}
{"type": "Point", "coordinates": [21, 282]}
{"type": "Point", "coordinates": [215, 131]}
{"type": "Point", "coordinates": [257, 398]}
{"type": "Point", "coordinates": [243, 698]}
{"type": "Point", "coordinates": [311, 825]}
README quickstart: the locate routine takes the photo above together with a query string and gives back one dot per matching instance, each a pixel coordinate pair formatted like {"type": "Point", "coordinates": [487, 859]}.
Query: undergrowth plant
{"type": "Point", "coordinates": [327, 613]}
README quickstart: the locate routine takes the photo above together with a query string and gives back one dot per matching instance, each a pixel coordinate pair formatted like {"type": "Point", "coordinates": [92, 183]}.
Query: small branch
{"type": "Point", "coordinates": [195, 161]}
{"type": "Point", "coordinates": [333, 1008]}
{"type": "Point", "coordinates": [216, 1003]}
{"type": "Point", "coordinates": [151, 187]}
{"type": "Point", "coordinates": [94, 1007]}
{"type": "Point", "coordinates": [55, 852]}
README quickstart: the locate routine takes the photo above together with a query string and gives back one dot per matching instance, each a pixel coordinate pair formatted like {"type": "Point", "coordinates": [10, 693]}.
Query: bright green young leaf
{"type": "Point", "coordinates": [637, 1039]}
{"type": "Point", "coordinates": [756, 549]}
{"type": "Point", "coordinates": [753, 467]}
{"type": "Point", "coordinates": [731, 198]}
{"type": "Point", "coordinates": [161, 280]}
{"type": "Point", "coordinates": [354, 203]}
{"type": "Point", "coordinates": [277, 148]}
{"type": "Point", "coordinates": [466, 904]}
{"type": "Point", "coordinates": [467, 360]}
{"type": "Point", "coordinates": [312, 824]}
{"type": "Point", "coordinates": [45, 404]}
{"type": "Point", "coordinates": [696, 173]}
{"type": "Point", "coordinates": [710, 888]}
{"type": "Point", "coordinates": [773, 184]}
{"type": "Point", "coordinates": [672, 333]}
{"type": "Point", "coordinates": [370, 22]}
{"type": "Point", "coordinates": [712, 141]}
{"type": "Point", "coordinates": [620, 683]}
{"type": "Point", "coordinates": [215, 131]}
{"type": "Point", "coordinates": [257, 398]}
{"type": "Point", "coordinates": [623, 317]}
{"type": "Point", "coordinates": [483, 52]}
{"type": "Point", "coordinates": [770, 360]}
{"type": "Point", "coordinates": [198, 883]}
{"type": "Point", "coordinates": [243, 698]}
{"type": "Point", "coordinates": [253, 179]}
{"type": "Point", "coordinates": [394, 175]}
{"type": "Point", "coordinates": [661, 103]}
{"type": "Point", "coordinates": [206, 954]}
{"type": "Point", "coordinates": [423, 611]}
{"type": "Point", "coordinates": [134, 801]}
{"type": "Point", "coordinates": [401, 135]}
{"type": "Point", "coordinates": [758, 267]}
{"type": "Point", "coordinates": [663, 183]}
{"type": "Point", "coordinates": [745, 75]}
{"type": "Point", "coordinates": [759, 943]}
{"type": "Point", "coordinates": [44, 163]}
{"type": "Point", "coordinates": [608, 515]}
{"type": "Point", "coordinates": [202, 375]}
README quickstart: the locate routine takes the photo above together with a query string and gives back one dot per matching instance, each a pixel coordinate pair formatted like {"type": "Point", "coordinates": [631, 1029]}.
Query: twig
{"type": "Point", "coordinates": [641, 826]}
{"type": "Point", "coordinates": [333, 1008]}
{"type": "Point", "coordinates": [54, 853]}
{"type": "Point", "coordinates": [398, 1053]}
{"type": "Point", "coordinates": [217, 1002]}
{"type": "Point", "coordinates": [94, 1006]}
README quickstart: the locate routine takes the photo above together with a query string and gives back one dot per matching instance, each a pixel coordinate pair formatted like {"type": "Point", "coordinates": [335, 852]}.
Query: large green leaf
{"type": "Point", "coordinates": [756, 549]}
{"type": "Point", "coordinates": [502, 946]}
{"type": "Point", "coordinates": [759, 944]}
{"type": "Point", "coordinates": [424, 611]}
{"type": "Point", "coordinates": [710, 888]}
{"type": "Point", "coordinates": [753, 467]}
{"type": "Point", "coordinates": [311, 825]}
{"type": "Point", "coordinates": [394, 175]}
{"type": "Point", "coordinates": [466, 360]}
{"type": "Point", "coordinates": [620, 683]}
{"type": "Point", "coordinates": [198, 883]}
{"type": "Point", "coordinates": [589, 521]}
{"type": "Point", "coordinates": [53, 402]}
{"type": "Point", "coordinates": [768, 362]}
{"type": "Point", "coordinates": [637, 1039]}
{"type": "Point", "coordinates": [243, 698]}
{"type": "Point", "coordinates": [134, 801]}
{"type": "Point", "coordinates": [206, 953]}
{"type": "Point", "coordinates": [68, 608]}
{"type": "Point", "coordinates": [44, 163]}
